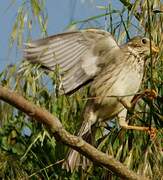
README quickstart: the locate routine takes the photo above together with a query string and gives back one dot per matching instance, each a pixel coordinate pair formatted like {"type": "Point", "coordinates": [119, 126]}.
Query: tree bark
{"type": "Point", "coordinates": [43, 116]}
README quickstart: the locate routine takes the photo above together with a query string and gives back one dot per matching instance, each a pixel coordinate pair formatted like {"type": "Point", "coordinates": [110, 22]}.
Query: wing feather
{"type": "Point", "coordinates": [76, 53]}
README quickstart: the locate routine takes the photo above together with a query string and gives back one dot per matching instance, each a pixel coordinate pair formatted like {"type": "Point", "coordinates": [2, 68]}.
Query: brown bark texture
{"type": "Point", "coordinates": [77, 143]}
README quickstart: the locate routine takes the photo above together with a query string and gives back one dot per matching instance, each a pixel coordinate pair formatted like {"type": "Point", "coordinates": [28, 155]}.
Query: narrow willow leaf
{"type": "Point", "coordinates": [35, 7]}
{"type": "Point", "coordinates": [119, 152]}
{"type": "Point", "coordinates": [129, 159]}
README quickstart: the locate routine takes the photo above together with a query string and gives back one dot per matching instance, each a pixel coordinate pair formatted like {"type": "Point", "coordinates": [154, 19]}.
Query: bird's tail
{"type": "Point", "coordinates": [74, 160]}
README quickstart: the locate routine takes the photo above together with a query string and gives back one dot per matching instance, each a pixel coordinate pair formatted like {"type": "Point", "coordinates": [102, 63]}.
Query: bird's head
{"type": "Point", "coordinates": [141, 45]}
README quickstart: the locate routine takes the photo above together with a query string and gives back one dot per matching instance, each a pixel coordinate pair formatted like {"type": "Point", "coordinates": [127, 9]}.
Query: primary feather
{"type": "Point", "coordinates": [78, 55]}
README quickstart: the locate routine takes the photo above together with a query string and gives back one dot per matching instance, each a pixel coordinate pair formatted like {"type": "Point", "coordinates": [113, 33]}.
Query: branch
{"type": "Point", "coordinates": [65, 137]}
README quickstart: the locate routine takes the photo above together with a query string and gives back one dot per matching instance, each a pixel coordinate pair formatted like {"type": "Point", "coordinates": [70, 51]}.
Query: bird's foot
{"type": "Point", "coordinates": [122, 122]}
{"type": "Point", "coordinates": [150, 93]}
{"type": "Point", "coordinates": [151, 130]}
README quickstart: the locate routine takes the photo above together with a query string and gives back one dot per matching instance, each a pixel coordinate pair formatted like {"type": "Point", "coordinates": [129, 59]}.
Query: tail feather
{"type": "Point", "coordinates": [74, 159]}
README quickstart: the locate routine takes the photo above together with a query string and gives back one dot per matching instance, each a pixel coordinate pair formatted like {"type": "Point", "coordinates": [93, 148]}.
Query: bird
{"type": "Point", "coordinates": [92, 56]}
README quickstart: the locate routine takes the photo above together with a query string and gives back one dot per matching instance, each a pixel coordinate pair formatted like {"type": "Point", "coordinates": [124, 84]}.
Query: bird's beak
{"type": "Point", "coordinates": [155, 49]}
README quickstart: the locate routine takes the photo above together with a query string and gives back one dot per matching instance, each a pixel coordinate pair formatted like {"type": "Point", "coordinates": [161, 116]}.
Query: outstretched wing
{"type": "Point", "coordinates": [79, 55]}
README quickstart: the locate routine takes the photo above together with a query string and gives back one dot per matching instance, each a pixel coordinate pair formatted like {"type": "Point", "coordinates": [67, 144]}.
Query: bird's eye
{"type": "Point", "coordinates": [144, 41]}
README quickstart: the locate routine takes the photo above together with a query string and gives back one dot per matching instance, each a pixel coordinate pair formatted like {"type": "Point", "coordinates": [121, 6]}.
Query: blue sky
{"type": "Point", "coordinates": [60, 14]}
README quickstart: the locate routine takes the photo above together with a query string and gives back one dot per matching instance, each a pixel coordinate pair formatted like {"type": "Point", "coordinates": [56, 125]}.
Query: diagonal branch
{"type": "Point", "coordinates": [65, 137]}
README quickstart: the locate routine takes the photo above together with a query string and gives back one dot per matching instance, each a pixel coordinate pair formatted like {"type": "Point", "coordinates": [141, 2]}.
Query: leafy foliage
{"type": "Point", "coordinates": [30, 145]}
{"type": "Point", "coordinates": [29, 13]}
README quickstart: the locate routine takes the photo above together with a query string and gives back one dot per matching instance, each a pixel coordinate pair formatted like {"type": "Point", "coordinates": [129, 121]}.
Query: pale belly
{"type": "Point", "coordinates": [125, 87]}
{"type": "Point", "coordinates": [109, 110]}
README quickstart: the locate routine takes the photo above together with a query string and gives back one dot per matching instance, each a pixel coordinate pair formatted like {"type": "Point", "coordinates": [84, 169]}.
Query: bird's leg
{"type": "Point", "coordinates": [149, 93]}
{"type": "Point", "coordinates": [126, 104]}
{"type": "Point", "coordinates": [122, 122]}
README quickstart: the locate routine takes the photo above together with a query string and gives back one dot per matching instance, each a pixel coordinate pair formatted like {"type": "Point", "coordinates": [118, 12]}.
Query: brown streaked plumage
{"type": "Point", "coordinates": [91, 55]}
